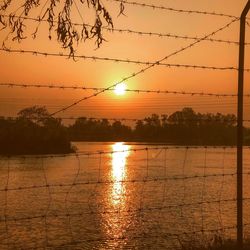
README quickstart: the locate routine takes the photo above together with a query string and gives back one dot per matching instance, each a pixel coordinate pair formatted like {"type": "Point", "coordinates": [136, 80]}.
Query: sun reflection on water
{"type": "Point", "coordinates": [119, 160]}
{"type": "Point", "coordinates": [116, 223]}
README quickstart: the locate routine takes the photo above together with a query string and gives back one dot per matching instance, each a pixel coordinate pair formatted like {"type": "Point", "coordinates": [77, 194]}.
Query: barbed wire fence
{"type": "Point", "coordinates": [129, 197]}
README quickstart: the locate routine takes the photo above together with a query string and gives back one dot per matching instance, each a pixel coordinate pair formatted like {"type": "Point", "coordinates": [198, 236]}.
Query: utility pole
{"type": "Point", "coordinates": [240, 128]}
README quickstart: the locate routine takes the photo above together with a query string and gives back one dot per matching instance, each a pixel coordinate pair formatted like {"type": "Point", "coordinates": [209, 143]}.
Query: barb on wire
{"type": "Point", "coordinates": [155, 91]}
{"type": "Point", "coordinates": [144, 69]}
{"type": "Point", "coordinates": [98, 58]}
{"type": "Point", "coordinates": [184, 11]}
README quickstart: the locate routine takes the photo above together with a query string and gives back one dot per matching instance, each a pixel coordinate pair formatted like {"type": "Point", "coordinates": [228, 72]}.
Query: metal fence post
{"type": "Point", "coordinates": [240, 128]}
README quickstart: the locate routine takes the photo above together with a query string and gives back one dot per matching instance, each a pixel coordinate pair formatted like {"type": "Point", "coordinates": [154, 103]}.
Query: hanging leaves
{"type": "Point", "coordinates": [58, 15]}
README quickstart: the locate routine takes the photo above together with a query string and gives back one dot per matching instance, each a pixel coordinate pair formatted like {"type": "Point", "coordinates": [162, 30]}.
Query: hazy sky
{"type": "Point", "coordinates": [21, 68]}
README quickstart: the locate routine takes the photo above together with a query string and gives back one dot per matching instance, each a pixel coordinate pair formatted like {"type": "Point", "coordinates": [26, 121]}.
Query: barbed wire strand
{"type": "Point", "coordinates": [183, 11]}
{"type": "Point", "coordinates": [118, 60]}
{"type": "Point", "coordinates": [141, 109]}
{"type": "Point", "coordinates": [155, 91]}
{"type": "Point", "coordinates": [208, 120]}
{"type": "Point", "coordinates": [142, 33]}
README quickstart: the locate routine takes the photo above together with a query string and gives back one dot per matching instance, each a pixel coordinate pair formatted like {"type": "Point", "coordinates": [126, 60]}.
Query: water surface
{"type": "Point", "coordinates": [146, 199]}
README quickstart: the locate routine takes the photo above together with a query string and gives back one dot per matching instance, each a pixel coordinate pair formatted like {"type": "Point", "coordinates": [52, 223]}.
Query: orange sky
{"type": "Point", "coordinates": [20, 68]}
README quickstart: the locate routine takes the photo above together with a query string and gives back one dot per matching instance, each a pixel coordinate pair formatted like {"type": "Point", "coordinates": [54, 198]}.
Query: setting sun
{"type": "Point", "coordinates": [120, 89]}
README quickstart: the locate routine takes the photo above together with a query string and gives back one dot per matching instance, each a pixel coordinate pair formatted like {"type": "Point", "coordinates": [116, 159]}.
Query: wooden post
{"type": "Point", "coordinates": [240, 128]}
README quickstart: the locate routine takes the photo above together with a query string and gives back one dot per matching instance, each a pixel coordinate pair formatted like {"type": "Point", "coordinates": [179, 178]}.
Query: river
{"type": "Point", "coordinates": [120, 196]}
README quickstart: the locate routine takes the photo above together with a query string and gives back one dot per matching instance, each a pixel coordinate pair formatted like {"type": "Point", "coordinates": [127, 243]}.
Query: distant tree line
{"type": "Point", "coordinates": [182, 127]}
{"type": "Point", "coordinates": [35, 132]}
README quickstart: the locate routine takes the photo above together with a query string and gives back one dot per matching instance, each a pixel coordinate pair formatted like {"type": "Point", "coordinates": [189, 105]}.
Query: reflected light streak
{"type": "Point", "coordinates": [116, 224]}
{"type": "Point", "coordinates": [119, 160]}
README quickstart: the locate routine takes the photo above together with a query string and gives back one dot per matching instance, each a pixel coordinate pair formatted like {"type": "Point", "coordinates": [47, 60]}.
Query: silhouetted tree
{"type": "Point", "coordinates": [120, 131]}
{"type": "Point", "coordinates": [98, 130]}
{"type": "Point", "coordinates": [33, 132]}
{"type": "Point", "coordinates": [188, 127]}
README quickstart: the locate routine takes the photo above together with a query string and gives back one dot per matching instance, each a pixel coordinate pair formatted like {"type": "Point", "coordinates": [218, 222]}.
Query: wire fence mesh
{"type": "Point", "coordinates": [126, 196]}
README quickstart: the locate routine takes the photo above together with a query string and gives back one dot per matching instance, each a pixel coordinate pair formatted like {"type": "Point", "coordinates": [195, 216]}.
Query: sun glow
{"type": "Point", "coordinates": [120, 89]}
